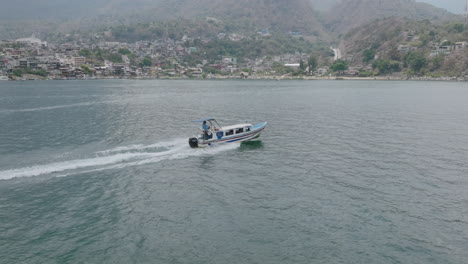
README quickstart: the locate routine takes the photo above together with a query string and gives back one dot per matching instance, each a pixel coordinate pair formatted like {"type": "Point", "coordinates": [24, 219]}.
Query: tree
{"type": "Point", "coordinates": [147, 62]}
{"type": "Point", "coordinates": [386, 66]}
{"type": "Point", "coordinates": [302, 65]}
{"type": "Point", "coordinates": [416, 61]}
{"type": "Point", "coordinates": [432, 35]}
{"type": "Point", "coordinates": [437, 62]}
{"type": "Point", "coordinates": [458, 28]}
{"type": "Point", "coordinates": [85, 52]}
{"type": "Point", "coordinates": [86, 69]}
{"type": "Point", "coordinates": [447, 43]}
{"type": "Point", "coordinates": [339, 65]}
{"type": "Point", "coordinates": [124, 51]}
{"type": "Point", "coordinates": [212, 70]}
{"type": "Point", "coordinates": [115, 58]}
{"type": "Point", "coordinates": [98, 54]}
{"type": "Point", "coordinates": [368, 55]}
{"type": "Point", "coordinates": [18, 73]}
{"type": "Point", "coordinates": [312, 63]}
{"type": "Point", "coordinates": [248, 70]}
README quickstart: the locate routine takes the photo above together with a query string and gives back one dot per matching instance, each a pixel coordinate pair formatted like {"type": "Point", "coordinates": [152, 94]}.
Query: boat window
{"type": "Point", "coordinates": [239, 130]}
{"type": "Point", "coordinates": [229, 132]}
{"type": "Point", "coordinates": [247, 129]}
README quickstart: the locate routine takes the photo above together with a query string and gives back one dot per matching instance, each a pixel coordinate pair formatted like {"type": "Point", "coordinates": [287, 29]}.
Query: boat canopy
{"type": "Point", "coordinates": [203, 120]}
{"type": "Point", "coordinates": [212, 123]}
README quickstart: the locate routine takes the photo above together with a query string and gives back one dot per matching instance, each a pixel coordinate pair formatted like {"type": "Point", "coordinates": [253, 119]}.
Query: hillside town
{"type": "Point", "coordinates": [31, 58]}
{"type": "Point", "coordinates": [142, 59]}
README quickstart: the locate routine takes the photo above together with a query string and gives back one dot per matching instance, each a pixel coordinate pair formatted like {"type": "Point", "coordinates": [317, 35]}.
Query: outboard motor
{"type": "Point", "coordinates": [193, 142]}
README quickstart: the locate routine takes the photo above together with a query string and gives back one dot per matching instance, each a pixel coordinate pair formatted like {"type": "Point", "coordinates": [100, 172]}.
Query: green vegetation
{"type": "Point", "coordinates": [416, 39]}
{"type": "Point", "coordinates": [101, 55]}
{"type": "Point", "coordinates": [416, 61]}
{"type": "Point", "coordinates": [302, 65]}
{"type": "Point", "coordinates": [17, 73]}
{"type": "Point", "coordinates": [386, 66]}
{"type": "Point", "coordinates": [369, 55]}
{"type": "Point", "coordinates": [20, 72]}
{"type": "Point", "coordinates": [250, 46]}
{"type": "Point", "coordinates": [312, 64]}
{"type": "Point", "coordinates": [147, 62]}
{"type": "Point", "coordinates": [85, 53]}
{"type": "Point", "coordinates": [339, 65]}
{"type": "Point", "coordinates": [115, 58]}
{"type": "Point", "coordinates": [255, 47]}
{"type": "Point", "coordinates": [436, 63]}
{"type": "Point", "coordinates": [86, 69]}
{"type": "Point", "coordinates": [456, 28]}
{"type": "Point", "coordinates": [212, 70]}
{"type": "Point", "coordinates": [363, 73]}
{"type": "Point", "coordinates": [124, 51]}
{"type": "Point", "coordinates": [280, 69]}
{"type": "Point", "coordinates": [175, 29]}
{"type": "Point", "coordinates": [247, 70]}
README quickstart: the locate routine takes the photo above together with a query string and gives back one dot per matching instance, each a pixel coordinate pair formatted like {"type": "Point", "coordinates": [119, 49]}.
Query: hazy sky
{"type": "Point", "coordinates": [455, 6]}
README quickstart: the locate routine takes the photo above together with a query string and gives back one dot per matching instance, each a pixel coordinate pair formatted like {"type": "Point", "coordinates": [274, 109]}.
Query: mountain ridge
{"type": "Point", "coordinates": [275, 15]}
{"type": "Point", "coordinates": [349, 14]}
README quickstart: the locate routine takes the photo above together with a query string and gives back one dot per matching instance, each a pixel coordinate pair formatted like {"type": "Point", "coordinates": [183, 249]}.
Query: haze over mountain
{"type": "Point", "coordinates": [454, 6]}
{"type": "Point", "coordinates": [68, 9]}
{"type": "Point", "coordinates": [21, 16]}
{"type": "Point", "coordinates": [349, 14]}
{"type": "Point", "coordinates": [258, 12]}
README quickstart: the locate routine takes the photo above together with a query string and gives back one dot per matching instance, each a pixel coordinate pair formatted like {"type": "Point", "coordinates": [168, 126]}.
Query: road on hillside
{"type": "Point", "coordinates": [337, 53]}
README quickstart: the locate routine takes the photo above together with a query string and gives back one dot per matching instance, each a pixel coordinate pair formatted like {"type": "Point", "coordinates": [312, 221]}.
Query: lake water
{"type": "Point", "coordinates": [346, 172]}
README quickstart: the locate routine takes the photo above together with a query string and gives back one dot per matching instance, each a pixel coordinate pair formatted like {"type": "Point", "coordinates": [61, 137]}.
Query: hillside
{"type": "Point", "coordinates": [349, 14]}
{"type": "Point", "coordinates": [397, 39]}
{"type": "Point", "coordinates": [292, 15]}
{"type": "Point", "coordinates": [263, 13]}
{"type": "Point", "coordinates": [41, 17]}
{"type": "Point", "coordinates": [274, 15]}
{"type": "Point", "coordinates": [21, 10]}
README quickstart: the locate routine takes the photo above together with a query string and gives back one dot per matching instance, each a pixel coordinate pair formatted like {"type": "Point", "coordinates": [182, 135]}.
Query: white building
{"type": "Point", "coordinates": [33, 41]}
{"type": "Point", "coordinates": [293, 65]}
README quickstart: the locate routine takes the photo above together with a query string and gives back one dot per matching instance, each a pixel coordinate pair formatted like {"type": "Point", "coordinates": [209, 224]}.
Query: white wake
{"type": "Point", "coordinates": [45, 108]}
{"type": "Point", "coordinates": [116, 158]}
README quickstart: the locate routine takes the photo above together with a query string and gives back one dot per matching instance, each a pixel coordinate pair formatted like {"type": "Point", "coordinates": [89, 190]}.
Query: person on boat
{"type": "Point", "coordinates": [205, 128]}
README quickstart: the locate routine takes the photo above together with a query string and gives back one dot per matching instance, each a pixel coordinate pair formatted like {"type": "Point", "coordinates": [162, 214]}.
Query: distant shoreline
{"type": "Point", "coordinates": [273, 78]}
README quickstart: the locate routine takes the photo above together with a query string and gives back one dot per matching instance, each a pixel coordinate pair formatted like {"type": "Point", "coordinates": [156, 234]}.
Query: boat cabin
{"type": "Point", "coordinates": [217, 132]}
{"type": "Point", "coordinates": [236, 129]}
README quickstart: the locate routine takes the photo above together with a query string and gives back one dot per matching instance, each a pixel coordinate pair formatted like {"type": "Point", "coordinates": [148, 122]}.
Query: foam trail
{"type": "Point", "coordinates": [116, 161]}
{"type": "Point", "coordinates": [188, 153]}
{"type": "Point", "coordinates": [140, 147]}
{"type": "Point", "coordinates": [155, 159]}
{"type": "Point", "coordinates": [45, 108]}
{"type": "Point", "coordinates": [174, 156]}
{"type": "Point", "coordinates": [66, 165]}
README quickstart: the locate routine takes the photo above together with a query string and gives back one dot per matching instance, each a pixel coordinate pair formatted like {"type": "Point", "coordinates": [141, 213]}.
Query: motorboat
{"type": "Point", "coordinates": [212, 133]}
{"type": "Point", "coordinates": [3, 78]}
